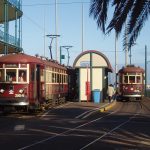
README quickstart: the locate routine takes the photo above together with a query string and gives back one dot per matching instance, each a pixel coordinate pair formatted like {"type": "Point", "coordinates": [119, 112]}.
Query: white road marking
{"type": "Point", "coordinates": [19, 127]}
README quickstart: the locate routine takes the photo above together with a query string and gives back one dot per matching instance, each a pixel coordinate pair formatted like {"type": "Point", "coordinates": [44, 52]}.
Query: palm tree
{"type": "Point", "coordinates": [132, 12]}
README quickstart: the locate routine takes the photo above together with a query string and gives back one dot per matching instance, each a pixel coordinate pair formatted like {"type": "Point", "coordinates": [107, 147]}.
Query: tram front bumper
{"type": "Point", "coordinates": [13, 102]}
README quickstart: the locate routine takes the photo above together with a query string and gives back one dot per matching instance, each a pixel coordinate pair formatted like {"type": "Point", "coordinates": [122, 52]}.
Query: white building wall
{"type": "Point", "coordinates": [84, 77]}
{"type": "Point", "coordinates": [97, 78]}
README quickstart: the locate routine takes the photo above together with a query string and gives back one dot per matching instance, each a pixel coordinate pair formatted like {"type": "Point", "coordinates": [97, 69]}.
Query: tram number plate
{"type": "Point", "coordinates": [19, 95]}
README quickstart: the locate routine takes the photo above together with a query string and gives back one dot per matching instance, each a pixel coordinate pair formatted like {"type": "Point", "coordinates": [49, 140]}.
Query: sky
{"type": "Point", "coordinates": [39, 20]}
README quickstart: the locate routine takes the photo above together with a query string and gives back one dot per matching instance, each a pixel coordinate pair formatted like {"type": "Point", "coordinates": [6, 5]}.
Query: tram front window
{"type": "Point", "coordinates": [125, 79]}
{"type": "Point", "coordinates": [22, 76]}
{"type": "Point", "coordinates": [131, 79]}
{"type": "Point", "coordinates": [1, 75]}
{"type": "Point", "coordinates": [138, 79]}
{"type": "Point", "coordinates": [11, 75]}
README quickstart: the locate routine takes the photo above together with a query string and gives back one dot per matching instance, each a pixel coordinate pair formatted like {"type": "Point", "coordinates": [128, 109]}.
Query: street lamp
{"type": "Point", "coordinates": [51, 36]}
{"type": "Point", "coordinates": [67, 48]}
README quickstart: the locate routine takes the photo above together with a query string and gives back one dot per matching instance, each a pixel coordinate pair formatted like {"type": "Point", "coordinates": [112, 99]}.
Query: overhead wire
{"type": "Point", "coordinates": [59, 3]}
{"type": "Point", "coordinates": [48, 4]}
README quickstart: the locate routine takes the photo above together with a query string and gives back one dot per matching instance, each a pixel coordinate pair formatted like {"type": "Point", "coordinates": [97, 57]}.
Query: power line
{"type": "Point", "coordinates": [35, 23]}
{"type": "Point", "coordinates": [51, 4]}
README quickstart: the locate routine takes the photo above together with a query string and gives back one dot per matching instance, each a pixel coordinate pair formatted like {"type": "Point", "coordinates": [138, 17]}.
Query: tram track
{"type": "Point", "coordinates": [65, 132]}
{"type": "Point", "coordinates": [109, 132]}
{"type": "Point", "coordinates": [110, 126]}
{"type": "Point", "coordinates": [131, 118]}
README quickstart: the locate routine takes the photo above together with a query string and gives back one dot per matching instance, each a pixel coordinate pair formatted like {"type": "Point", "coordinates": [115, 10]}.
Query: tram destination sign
{"type": "Point", "coordinates": [11, 65]}
{"type": "Point", "coordinates": [85, 63]}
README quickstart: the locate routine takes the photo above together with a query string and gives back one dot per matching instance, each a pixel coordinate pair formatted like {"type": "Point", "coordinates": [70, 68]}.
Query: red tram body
{"type": "Point", "coordinates": [28, 82]}
{"type": "Point", "coordinates": [131, 82]}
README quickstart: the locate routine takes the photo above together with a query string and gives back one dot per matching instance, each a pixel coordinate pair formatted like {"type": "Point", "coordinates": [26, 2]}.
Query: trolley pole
{"type": "Point", "coordinates": [51, 36]}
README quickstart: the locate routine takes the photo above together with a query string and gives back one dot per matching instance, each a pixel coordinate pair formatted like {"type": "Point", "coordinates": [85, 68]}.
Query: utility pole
{"type": "Point", "coordinates": [130, 56]}
{"type": "Point", "coordinates": [146, 70]}
{"type": "Point", "coordinates": [116, 62]}
{"type": "Point", "coordinates": [82, 27]}
{"type": "Point", "coordinates": [126, 46]}
{"type": "Point", "coordinates": [56, 29]}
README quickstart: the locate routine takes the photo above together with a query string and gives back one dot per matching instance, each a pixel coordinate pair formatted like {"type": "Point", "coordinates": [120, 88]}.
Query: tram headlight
{"type": "Point", "coordinates": [2, 90]}
{"type": "Point", "coordinates": [21, 91]}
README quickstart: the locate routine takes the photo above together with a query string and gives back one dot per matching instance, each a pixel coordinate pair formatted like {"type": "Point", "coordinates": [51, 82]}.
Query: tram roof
{"type": "Point", "coordinates": [24, 58]}
{"type": "Point", "coordinates": [131, 69]}
{"type": "Point", "coordinates": [19, 58]}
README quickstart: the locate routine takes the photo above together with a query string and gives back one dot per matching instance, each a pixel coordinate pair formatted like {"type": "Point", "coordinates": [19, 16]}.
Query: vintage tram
{"type": "Point", "coordinates": [131, 83]}
{"type": "Point", "coordinates": [28, 82]}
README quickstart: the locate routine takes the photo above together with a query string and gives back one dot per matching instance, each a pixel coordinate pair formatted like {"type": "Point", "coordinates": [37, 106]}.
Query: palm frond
{"type": "Point", "coordinates": [99, 9]}
{"type": "Point", "coordinates": [134, 12]}
{"type": "Point", "coordinates": [121, 12]}
{"type": "Point", "coordinates": [135, 25]}
{"type": "Point", "coordinates": [137, 11]}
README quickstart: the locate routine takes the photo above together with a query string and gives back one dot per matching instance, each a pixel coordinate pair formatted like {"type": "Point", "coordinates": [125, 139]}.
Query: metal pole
{"type": "Point", "coordinates": [68, 55]}
{"type": "Point", "coordinates": [56, 29]}
{"type": "Point", "coordinates": [116, 66]}
{"type": "Point", "coordinates": [44, 34]}
{"type": "Point", "coordinates": [126, 50]}
{"type": "Point", "coordinates": [60, 54]}
{"type": "Point", "coordinates": [145, 70]}
{"type": "Point", "coordinates": [16, 42]}
{"type": "Point", "coordinates": [130, 56]}
{"type": "Point", "coordinates": [82, 29]}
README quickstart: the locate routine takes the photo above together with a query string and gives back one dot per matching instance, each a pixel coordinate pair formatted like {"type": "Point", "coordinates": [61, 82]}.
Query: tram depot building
{"type": "Point", "coordinates": [92, 69]}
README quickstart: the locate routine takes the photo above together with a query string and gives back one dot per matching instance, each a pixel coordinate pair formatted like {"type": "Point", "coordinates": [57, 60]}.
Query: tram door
{"type": "Point", "coordinates": [38, 81]}
{"type": "Point", "coordinates": [34, 87]}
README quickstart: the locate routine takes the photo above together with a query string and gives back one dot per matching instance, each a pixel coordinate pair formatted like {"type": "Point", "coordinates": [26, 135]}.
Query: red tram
{"type": "Point", "coordinates": [131, 82]}
{"type": "Point", "coordinates": [26, 82]}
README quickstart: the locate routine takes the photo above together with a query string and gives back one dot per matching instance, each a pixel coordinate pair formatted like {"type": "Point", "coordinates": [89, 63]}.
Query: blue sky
{"type": "Point", "coordinates": [70, 31]}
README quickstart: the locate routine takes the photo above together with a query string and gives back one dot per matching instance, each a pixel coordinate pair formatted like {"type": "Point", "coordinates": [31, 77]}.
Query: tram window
{"type": "Point", "coordinates": [58, 78]}
{"type": "Point", "coordinates": [125, 79]}
{"type": "Point", "coordinates": [138, 79]}
{"type": "Point", "coordinates": [50, 77]}
{"type": "Point", "coordinates": [64, 79]}
{"type": "Point", "coordinates": [120, 79]}
{"type": "Point", "coordinates": [11, 75]}
{"type": "Point", "coordinates": [53, 78]}
{"type": "Point", "coordinates": [1, 75]}
{"type": "Point", "coordinates": [131, 79]}
{"type": "Point", "coordinates": [22, 76]}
